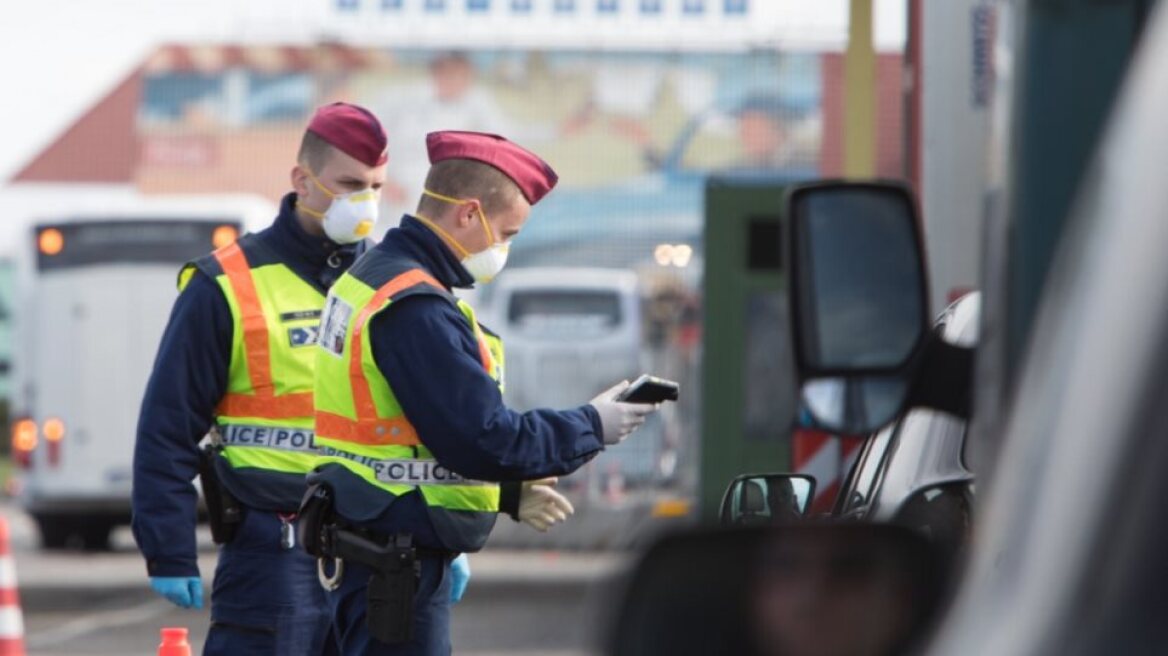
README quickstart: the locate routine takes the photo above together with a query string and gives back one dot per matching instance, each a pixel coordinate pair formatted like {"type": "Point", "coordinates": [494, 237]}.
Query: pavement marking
{"type": "Point", "coordinates": [102, 620]}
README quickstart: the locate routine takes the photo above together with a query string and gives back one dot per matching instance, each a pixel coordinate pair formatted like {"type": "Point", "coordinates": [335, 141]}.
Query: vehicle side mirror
{"type": "Point", "coordinates": [754, 499]}
{"type": "Point", "coordinates": [859, 300]}
{"type": "Point", "coordinates": [795, 589]}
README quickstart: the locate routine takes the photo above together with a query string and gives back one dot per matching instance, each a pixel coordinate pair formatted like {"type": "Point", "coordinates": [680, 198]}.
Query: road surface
{"type": "Point", "coordinates": [522, 602]}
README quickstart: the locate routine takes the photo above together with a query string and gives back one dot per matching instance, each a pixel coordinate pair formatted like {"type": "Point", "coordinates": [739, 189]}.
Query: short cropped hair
{"type": "Point", "coordinates": [315, 152]}
{"type": "Point", "coordinates": [468, 178]}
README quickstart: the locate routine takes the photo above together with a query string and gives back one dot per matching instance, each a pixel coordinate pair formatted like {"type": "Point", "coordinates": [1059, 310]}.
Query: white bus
{"type": "Point", "coordinates": [94, 293]}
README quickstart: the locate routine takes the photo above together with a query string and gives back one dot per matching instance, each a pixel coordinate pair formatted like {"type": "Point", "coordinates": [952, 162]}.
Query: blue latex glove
{"type": "Point", "coordinates": [182, 591]}
{"type": "Point", "coordinates": [460, 576]}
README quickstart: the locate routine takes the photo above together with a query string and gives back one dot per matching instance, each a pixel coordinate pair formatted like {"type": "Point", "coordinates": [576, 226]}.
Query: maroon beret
{"type": "Point", "coordinates": [531, 174]}
{"type": "Point", "coordinates": [353, 130]}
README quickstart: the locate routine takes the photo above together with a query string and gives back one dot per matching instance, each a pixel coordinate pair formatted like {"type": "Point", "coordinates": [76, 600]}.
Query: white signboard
{"type": "Point", "coordinates": [677, 25]}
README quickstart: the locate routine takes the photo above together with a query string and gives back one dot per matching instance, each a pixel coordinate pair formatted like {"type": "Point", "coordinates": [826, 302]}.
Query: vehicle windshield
{"type": "Point", "coordinates": [122, 241]}
{"type": "Point", "coordinates": [554, 312]}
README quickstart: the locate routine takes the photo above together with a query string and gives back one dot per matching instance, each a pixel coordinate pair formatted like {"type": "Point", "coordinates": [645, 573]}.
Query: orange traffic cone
{"type": "Point", "coordinates": [174, 643]}
{"type": "Point", "coordinates": [11, 618]}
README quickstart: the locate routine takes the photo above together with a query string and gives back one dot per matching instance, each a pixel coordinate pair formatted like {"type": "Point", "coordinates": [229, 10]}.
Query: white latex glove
{"type": "Point", "coordinates": [619, 419]}
{"type": "Point", "coordinates": [540, 506]}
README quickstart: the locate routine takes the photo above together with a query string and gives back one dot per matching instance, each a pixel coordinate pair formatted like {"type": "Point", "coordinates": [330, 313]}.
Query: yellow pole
{"type": "Point", "coordinates": [860, 94]}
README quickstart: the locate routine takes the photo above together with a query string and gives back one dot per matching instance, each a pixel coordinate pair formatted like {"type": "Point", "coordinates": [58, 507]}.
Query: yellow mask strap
{"type": "Point", "coordinates": [462, 252]}
{"type": "Point", "coordinates": [317, 182]}
{"type": "Point", "coordinates": [478, 206]}
{"type": "Point", "coordinates": [308, 210]}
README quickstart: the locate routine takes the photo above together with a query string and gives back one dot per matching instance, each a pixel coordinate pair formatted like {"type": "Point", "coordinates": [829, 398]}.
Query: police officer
{"type": "Point", "coordinates": [409, 411]}
{"type": "Point", "coordinates": [237, 357]}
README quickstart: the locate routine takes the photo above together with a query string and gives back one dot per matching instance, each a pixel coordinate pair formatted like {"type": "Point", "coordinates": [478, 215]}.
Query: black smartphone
{"type": "Point", "coordinates": [650, 389]}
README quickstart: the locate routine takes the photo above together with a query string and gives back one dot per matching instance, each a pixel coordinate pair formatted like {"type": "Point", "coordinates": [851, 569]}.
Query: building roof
{"type": "Point", "coordinates": [101, 146]}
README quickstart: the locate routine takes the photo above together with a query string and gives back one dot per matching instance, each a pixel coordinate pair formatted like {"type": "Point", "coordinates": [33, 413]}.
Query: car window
{"type": "Point", "coordinates": [864, 477]}
{"type": "Point", "coordinates": [927, 450]}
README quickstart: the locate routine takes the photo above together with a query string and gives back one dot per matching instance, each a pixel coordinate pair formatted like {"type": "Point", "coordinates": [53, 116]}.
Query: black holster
{"type": "Point", "coordinates": [224, 511]}
{"type": "Point", "coordinates": [392, 588]}
{"type": "Point", "coordinates": [394, 583]}
{"type": "Point", "coordinates": [316, 520]}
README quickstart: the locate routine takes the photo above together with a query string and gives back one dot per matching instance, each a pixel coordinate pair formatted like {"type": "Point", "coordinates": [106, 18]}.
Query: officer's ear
{"type": "Point", "coordinates": [300, 182]}
{"type": "Point", "coordinates": [468, 213]}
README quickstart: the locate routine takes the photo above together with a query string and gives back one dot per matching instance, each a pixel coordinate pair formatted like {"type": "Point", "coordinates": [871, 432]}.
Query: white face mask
{"type": "Point", "coordinates": [484, 265]}
{"type": "Point", "coordinates": [350, 217]}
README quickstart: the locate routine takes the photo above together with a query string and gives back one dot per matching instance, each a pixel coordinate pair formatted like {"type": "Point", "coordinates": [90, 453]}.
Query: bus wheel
{"type": "Point", "coordinates": [55, 532]}
{"type": "Point", "coordinates": [95, 535]}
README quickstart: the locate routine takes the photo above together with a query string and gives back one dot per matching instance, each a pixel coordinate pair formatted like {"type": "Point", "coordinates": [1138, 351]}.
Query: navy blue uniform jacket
{"type": "Point", "coordinates": [427, 351]}
{"type": "Point", "coordinates": [188, 381]}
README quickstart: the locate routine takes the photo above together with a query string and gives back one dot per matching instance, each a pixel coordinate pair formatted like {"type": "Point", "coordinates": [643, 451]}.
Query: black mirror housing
{"type": "Point", "coordinates": [859, 297]}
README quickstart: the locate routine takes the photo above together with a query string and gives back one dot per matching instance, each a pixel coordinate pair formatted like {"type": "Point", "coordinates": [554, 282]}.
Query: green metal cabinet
{"type": "Point", "coordinates": [748, 393]}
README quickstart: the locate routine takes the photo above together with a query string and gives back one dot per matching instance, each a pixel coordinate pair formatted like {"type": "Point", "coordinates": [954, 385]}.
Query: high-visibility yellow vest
{"type": "Point", "coordinates": [361, 426]}
{"type": "Point", "coordinates": [265, 420]}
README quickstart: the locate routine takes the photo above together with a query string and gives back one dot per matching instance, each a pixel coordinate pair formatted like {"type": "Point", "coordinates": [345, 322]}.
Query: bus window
{"type": "Point", "coordinates": [564, 312]}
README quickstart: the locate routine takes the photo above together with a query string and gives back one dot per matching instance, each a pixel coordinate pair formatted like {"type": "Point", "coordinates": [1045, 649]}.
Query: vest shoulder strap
{"type": "Point", "coordinates": [423, 288]}
{"type": "Point", "coordinates": [210, 265]}
{"type": "Point", "coordinates": [207, 265]}
{"type": "Point", "coordinates": [407, 277]}
{"type": "Point", "coordinates": [488, 331]}
{"type": "Point", "coordinates": [412, 281]}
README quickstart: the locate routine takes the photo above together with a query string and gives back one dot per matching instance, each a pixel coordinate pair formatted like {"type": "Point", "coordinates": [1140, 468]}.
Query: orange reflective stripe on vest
{"type": "Point", "coordinates": [368, 428]}
{"type": "Point", "coordinates": [370, 432]}
{"type": "Point", "coordinates": [484, 353]}
{"type": "Point", "coordinates": [362, 396]}
{"type": "Point", "coordinates": [262, 402]}
{"type": "Point", "coordinates": [285, 406]}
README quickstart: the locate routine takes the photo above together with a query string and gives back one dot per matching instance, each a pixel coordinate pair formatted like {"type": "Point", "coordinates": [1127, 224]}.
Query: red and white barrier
{"type": "Point", "coordinates": [826, 457]}
{"type": "Point", "coordinates": [11, 617]}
